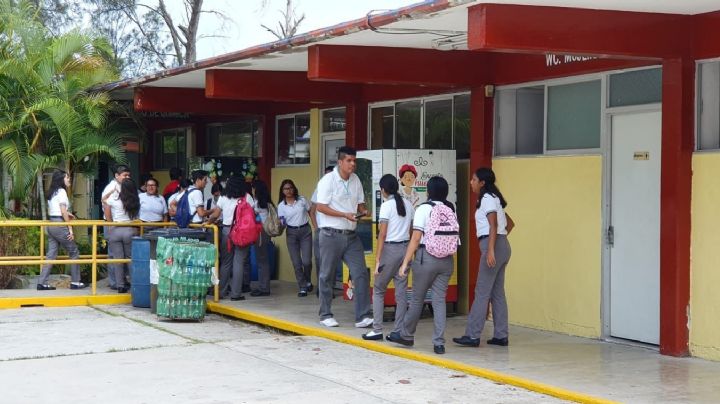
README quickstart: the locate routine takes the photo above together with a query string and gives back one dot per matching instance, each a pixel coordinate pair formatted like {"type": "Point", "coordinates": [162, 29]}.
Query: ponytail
{"type": "Point", "coordinates": [389, 184]}
{"type": "Point", "coordinates": [488, 176]}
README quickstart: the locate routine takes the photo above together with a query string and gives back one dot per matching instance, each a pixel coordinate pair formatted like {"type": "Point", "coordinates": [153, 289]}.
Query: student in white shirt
{"type": "Point", "coordinates": [59, 211]}
{"type": "Point", "coordinates": [395, 220]}
{"type": "Point", "coordinates": [173, 200]}
{"type": "Point", "coordinates": [122, 206]}
{"type": "Point", "coordinates": [196, 197]}
{"type": "Point", "coordinates": [293, 209]}
{"type": "Point", "coordinates": [340, 203]}
{"type": "Point", "coordinates": [153, 207]}
{"type": "Point", "coordinates": [112, 189]}
{"type": "Point", "coordinates": [262, 200]}
{"type": "Point", "coordinates": [493, 226]}
{"type": "Point", "coordinates": [316, 237]}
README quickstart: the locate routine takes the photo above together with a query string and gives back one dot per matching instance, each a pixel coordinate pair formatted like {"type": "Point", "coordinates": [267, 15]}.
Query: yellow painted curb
{"type": "Point", "coordinates": [62, 301]}
{"type": "Point", "coordinates": [405, 353]}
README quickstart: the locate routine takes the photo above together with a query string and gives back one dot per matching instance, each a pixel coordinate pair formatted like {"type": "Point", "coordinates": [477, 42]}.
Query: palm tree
{"type": "Point", "coordinates": [48, 115]}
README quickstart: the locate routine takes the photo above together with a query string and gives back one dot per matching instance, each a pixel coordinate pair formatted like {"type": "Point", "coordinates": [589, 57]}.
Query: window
{"type": "Point", "coordinates": [438, 124]}
{"type": "Point", "coordinates": [407, 124]}
{"type": "Point", "coordinates": [636, 87]}
{"type": "Point", "coordinates": [519, 115]}
{"type": "Point", "coordinates": [382, 124]}
{"type": "Point", "coordinates": [293, 139]}
{"type": "Point", "coordinates": [236, 139]}
{"type": "Point", "coordinates": [333, 120]}
{"type": "Point", "coordinates": [708, 106]}
{"type": "Point", "coordinates": [573, 116]}
{"type": "Point", "coordinates": [461, 125]}
{"type": "Point", "coordinates": [170, 148]}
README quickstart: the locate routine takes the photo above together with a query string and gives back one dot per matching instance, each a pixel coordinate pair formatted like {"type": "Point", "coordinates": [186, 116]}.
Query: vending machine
{"type": "Point", "coordinates": [413, 168]}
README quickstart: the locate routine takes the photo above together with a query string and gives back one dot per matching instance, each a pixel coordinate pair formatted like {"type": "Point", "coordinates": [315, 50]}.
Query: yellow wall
{"type": "Point", "coordinates": [553, 281]}
{"type": "Point", "coordinates": [305, 178]}
{"type": "Point", "coordinates": [705, 260]}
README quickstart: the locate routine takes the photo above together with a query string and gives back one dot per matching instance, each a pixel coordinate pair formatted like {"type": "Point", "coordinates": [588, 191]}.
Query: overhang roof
{"type": "Point", "coordinates": [419, 26]}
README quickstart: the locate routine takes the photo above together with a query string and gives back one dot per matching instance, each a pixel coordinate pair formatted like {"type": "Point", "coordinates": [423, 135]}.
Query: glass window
{"type": "Point", "coordinates": [237, 139]}
{"type": "Point", "coordinates": [407, 124]}
{"type": "Point", "coordinates": [293, 139]}
{"type": "Point", "coordinates": [461, 125]}
{"type": "Point", "coordinates": [573, 116]}
{"type": "Point", "coordinates": [636, 87]}
{"type": "Point", "coordinates": [170, 148]}
{"type": "Point", "coordinates": [333, 120]}
{"type": "Point", "coordinates": [708, 108]}
{"type": "Point", "coordinates": [438, 124]}
{"type": "Point", "coordinates": [519, 115]}
{"type": "Point", "coordinates": [285, 138]}
{"type": "Point", "coordinates": [382, 123]}
{"type": "Point", "coordinates": [302, 139]}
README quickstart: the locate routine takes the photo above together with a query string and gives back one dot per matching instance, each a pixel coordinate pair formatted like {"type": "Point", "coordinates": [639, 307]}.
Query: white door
{"type": "Point", "coordinates": [635, 221]}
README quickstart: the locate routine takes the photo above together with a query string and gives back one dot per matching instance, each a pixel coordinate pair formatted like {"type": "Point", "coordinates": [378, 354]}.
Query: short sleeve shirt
{"type": "Point", "coordinates": [398, 226]}
{"type": "Point", "coordinates": [343, 196]}
{"type": "Point", "coordinates": [489, 204]}
{"type": "Point", "coordinates": [195, 199]}
{"type": "Point", "coordinates": [227, 206]}
{"type": "Point", "coordinates": [296, 214]}
{"type": "Point", "coordinates": [113, 188]}
{"type": "Point", "coordinates": [152, 207]}
{"type": "Point", "coordinates": [59, 198]}
{"type": "Point", "coordinates": [117, 209]}
{"type": "Point", "coordinates": [422, 215]}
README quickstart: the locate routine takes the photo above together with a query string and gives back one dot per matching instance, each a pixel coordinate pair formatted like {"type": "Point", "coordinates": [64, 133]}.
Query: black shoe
{"type": "Point", "coordinates": [302, 293]}
{"type": "Point", "coordinates": [396, 338]}
{"type": "Point", "coordinates": [467, 341]}
{"type": "Point", "coordinates": [235, 299]}
{"type": "Point", "coordinates": [80, 286]}
{"type": "Point", "coordinates": [245, 289]}
{"type": "Point", "coordinates": [498, 341]}
{"type": "Point", "coordinates": [122, 289]}
{"type": "Point", "coordinates": [372, 336]}
{"type": "Point", "coordinates": [439, 349]}
{"type": "Point", "coordinates": [256, 293]}
{"type": "Point", "coordinates": [310, 288]}
{"type": "Point", "coordinates": [45, 287]}
{"type": "Point", "coordinates": [113, 287]}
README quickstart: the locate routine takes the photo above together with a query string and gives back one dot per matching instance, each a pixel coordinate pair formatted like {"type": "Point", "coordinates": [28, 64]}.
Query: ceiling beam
{"type": "Point", "coordinates": [396, 66]}
{"type": "Point", "coordinates": [540, 29]}
{"type": "Point", "coordinates": [259, 85]}
{"type": "Point", "coordinates": [707, 31]}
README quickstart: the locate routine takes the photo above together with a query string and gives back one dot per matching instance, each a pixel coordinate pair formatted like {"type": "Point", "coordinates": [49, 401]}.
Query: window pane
{"type": "Point", "coordinates": [461, 126]}
{"type": "Point", "coordinates": [333, 120]}
{"type": "Point", "coordinates": [231, 139]}
{"type": "Point", "coordinates": [302, 139]}
{"type": "Point", "coordinates": [708, 106]}
{"type": "Point", "coordinates": [285, 139]}
{"type": "Point", "coordinates": [438, 124]}
{"type": "Point", "coordinates": [407, 125]}
{"type": "Point", "coordinates": [635, 88]}
{"type": "Point", "coordinates": [519, 121]}
{"type": "Point", "coordinates": [574, 116]}
{"type": "Point", "coordinates": [382, 123]}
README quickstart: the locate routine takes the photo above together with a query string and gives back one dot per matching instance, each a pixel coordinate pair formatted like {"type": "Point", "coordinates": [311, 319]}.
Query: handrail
{"type": "Point", "coordinates": [94, 258]}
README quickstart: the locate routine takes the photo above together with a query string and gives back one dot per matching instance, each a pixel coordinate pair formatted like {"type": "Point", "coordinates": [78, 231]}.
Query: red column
{"type": "Point", "coordinates": [356, 117]}
{"type": "Point", "coordinates": [675, 195]}
{"type": "Point", "coordinates": [481, 146]}
{"type": "Point", "coordinates": [267, 160]}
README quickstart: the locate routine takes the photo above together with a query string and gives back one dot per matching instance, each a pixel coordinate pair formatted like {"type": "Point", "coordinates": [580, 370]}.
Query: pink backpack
{"type": "Point", "coordinates": [245, 229]}
{"type": "Point", "coordinates": [442, 231]}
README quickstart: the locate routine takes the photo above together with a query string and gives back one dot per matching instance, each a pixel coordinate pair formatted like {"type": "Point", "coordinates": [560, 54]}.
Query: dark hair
{"type": "Point", "coordinates": [184, 184]}
{"type": "Point", "coordinates": [487, 175]}
{"type": "Point", "coordinates": [121, 168]}
{"type": "Point", "coordinates": [175, 173]}
{"type": "Point", "coordinates": [217, 187]}
{"type": "Point", "coordinates": [57, 182]}
{"type": "Point", "coordinates": [129, 198]}
{"type": "Point", "coordinates": [284, 182]}
{"type": "Point", "coordinates": [389, 183]}
{"type": "Point", "coordinates": [437, 190]}
{"type": "Point", "coordinates": [235, 188]}
{"type": "Point", "coordinates": [198, 174]}
{"type": "Point", "coordinates": [346, 151]}
{"type": "Point", "coordinates": [151, 178]}
{"type": "Point", "coordinates": [262, 194]}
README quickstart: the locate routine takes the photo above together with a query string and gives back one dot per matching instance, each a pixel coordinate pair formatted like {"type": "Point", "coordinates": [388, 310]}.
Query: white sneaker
{"type": "Point", "coordinates": [330, 322]}
{"type": "Point", "coordinates": [364, 323]}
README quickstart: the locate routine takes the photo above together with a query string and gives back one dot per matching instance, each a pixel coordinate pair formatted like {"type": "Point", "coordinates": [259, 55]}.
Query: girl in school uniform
{"type": "Point", "coordinates": [396, 214]}
{"type": "Point", "coordinates": [59, 211]}
{"type": "Point", "coordinates": [262, 200]}
{"type": "Point", "coordinates": [493, 225]}
{"type": "Point", "coordinates": [122, 206]}
{"type": "Point", "coordinates": [428, 272]}
{"type": "Point", "coordinates": [294, 209]}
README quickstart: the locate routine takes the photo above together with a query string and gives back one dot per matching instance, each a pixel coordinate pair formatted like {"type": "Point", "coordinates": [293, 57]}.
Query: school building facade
{"type": "Point", "coordinates": [603, 127]}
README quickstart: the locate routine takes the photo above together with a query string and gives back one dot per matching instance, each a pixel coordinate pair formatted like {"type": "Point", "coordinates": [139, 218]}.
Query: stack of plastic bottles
{"type": "Point", "coordinates": [185, 268]}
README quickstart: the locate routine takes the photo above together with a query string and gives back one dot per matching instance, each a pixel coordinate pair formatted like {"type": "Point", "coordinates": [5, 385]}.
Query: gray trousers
{"type": "Point", "coordinates": [57, 236]}
{"type": "Point", "coordinates": [263, 263]}
{"type": "Point", "coordinates": [392, 257]}
{"type": "Point", "coordinates": [232, 265]}
{"type": "Point", "coordinates": [346, 247]}
{"type": "Point", "coordinates": [428, 272]}
{"type": "Point", "coordinates": [299, 244]}
{"type": "Point", "coordinates": [119, 246]}
{"type": "Point", "coordinates": [490, 287]}
{"type": "Point", "coordinates": [316, 250]}
{"type": "Point", "coordinates": [110, 267]}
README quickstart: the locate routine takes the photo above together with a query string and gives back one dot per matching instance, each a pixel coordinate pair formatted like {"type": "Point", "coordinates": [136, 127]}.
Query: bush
{"type": "Point", "coordinates": [18, 241]}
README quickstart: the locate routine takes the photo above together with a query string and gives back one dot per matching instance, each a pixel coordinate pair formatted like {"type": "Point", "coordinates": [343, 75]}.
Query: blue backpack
{"type": "Point", "coordinates": [182, 214]}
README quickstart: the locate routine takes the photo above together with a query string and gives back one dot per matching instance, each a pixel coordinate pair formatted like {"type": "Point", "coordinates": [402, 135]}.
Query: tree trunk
{"type": "Point", "coordinates": [41, 193]}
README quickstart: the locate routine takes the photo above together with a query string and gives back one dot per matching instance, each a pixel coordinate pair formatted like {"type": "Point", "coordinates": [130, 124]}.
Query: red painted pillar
{"type": "Point", "coordinates": [356, 117]}
{"type": "Point", "coordinates": [678, 110]}
{"type": "Point", "coordinates": [266, 161]}
{"type": "Point", "coordinates": [481, 147]}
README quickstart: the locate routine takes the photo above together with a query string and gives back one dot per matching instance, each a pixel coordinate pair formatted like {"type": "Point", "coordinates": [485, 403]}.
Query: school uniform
{"type": "Point", "coordinates": [232, 260]}
{"type": "Point", "coordinates": [119, 240]}
{"type": "Point", "coordinates": [299, 239]}
{"type": "Point", "coordinates": [490, 285]}
{"type": "Point", "coordinates": [58, 237]}
{"type": "Point", "coordinates": [261, 254]}
{"type": "Point", "coordinates": [112, 189]}
{"type": "Point", "coordinates": [393, 253]}
{"type": "Point", "coordinates": [428, 273]}
{"type": "Point", "coordinates": [153, 208]}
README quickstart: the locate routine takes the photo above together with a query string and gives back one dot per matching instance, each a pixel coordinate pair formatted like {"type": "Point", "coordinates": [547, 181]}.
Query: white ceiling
{"type": "Point", "coordinates": [452, 19]}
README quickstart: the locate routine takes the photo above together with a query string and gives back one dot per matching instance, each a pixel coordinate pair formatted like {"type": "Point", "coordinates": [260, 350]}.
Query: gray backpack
{"type": "Point", "coordinates": [273, 226]}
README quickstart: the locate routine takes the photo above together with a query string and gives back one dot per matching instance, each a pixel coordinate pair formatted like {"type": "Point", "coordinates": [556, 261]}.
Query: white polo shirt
{"type": "Point", "coordinates": [490, 204]}
{"type": "Point", "coordinates": [60, 198]}
{"type": "Point", "coordinates": [398, 226]}
{"type": "Point", "coordinates": [296, 214]}
{"type": "Point", "coordinates": [152, 207]}
{"type": "Point", "coordinates": [113, 187]}
{"type": "Point", "coordinates": [341, 195]}
{"type": "Point", "coordinates": [228, 205]}
{"type": "Point", "coordinates": [117, 209]}
{"type": "Point", "coordinates": [195, 199]}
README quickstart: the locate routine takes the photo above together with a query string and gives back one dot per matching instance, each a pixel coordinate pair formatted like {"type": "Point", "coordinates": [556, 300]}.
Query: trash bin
{"type": "Point", "coordinates": [140, 272]}
{"type": "Point", "coordinates": [272, 261]}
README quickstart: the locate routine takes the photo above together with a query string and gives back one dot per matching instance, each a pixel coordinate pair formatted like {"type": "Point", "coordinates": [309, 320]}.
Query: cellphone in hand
{"type": "Point", "coordinates": [380, 268]}
{"type": "Point", "coordinates": [359, 215]}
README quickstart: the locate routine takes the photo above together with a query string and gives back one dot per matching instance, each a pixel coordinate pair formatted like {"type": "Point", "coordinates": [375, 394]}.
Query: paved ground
{"type": "Point", "coordinates": [121, 354]}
